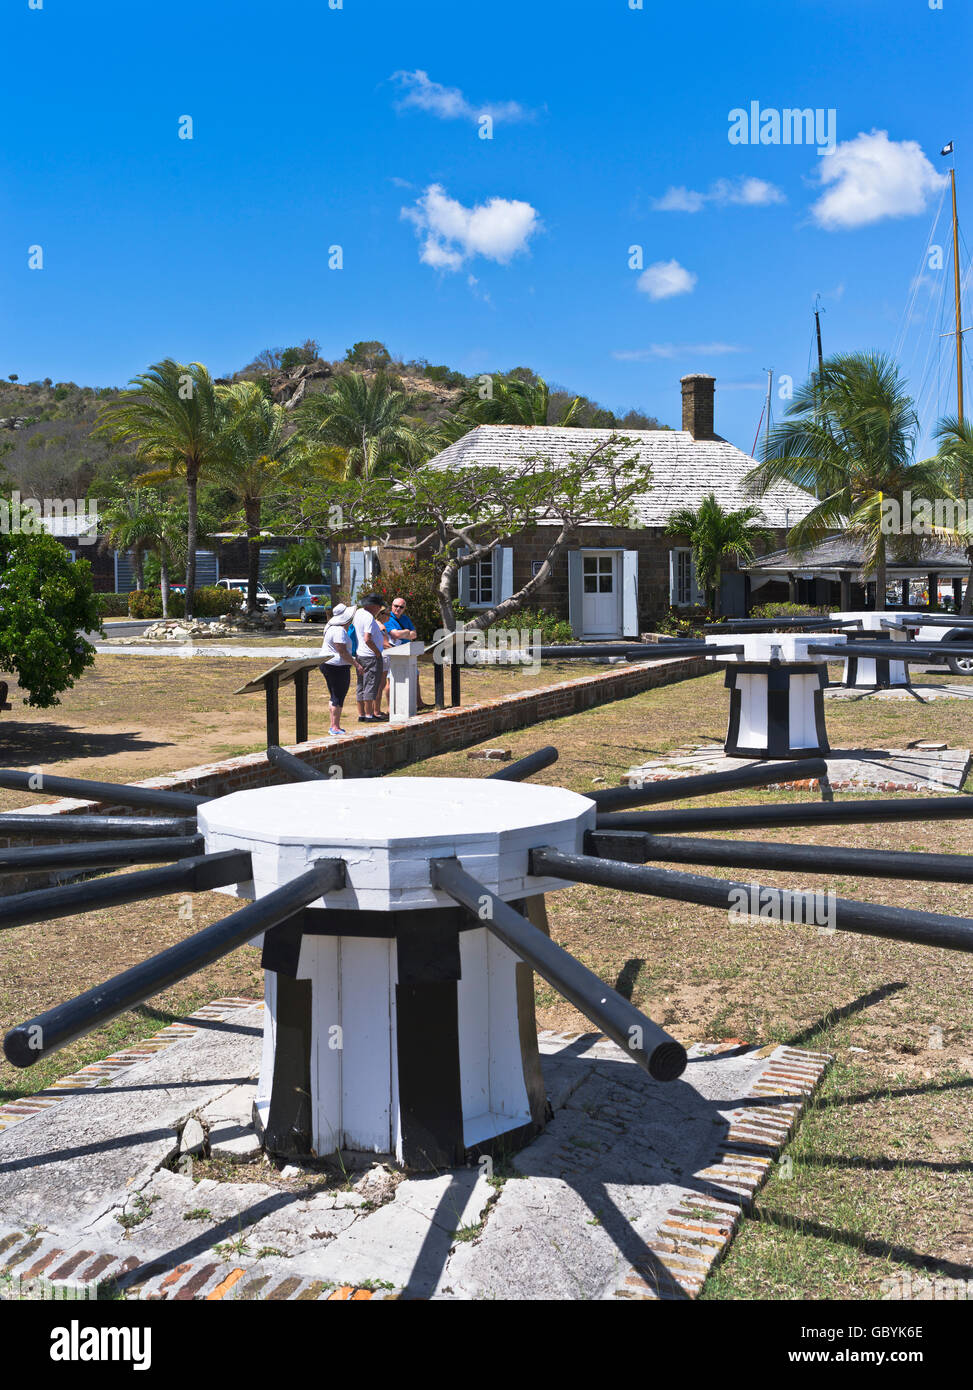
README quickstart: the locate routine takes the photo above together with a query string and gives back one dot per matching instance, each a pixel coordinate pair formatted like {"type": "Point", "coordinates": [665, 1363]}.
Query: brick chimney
{"type": "Point", "coordinates": [697, 405]}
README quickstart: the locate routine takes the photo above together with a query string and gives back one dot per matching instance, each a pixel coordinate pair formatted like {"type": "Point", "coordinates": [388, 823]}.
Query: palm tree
{"type": "Point", "coordinates": [849, 442]}
{"type": "Point", "coordinates": [147, 522]}
{"type": "Point", "coordinates": [174, 415]}
{"type": "Point", "coordinates": [369, 420]}
{"type": "Point", "coordinates": [511, 402]}
{"type": "Point", "coordinates": [955, 460]}
{"type": "Point", "coordinates": [714, 536]}
{"type": "Point", "coordinates": [260, 457]}
{"type": "Point", "coordinates": [123, 523]}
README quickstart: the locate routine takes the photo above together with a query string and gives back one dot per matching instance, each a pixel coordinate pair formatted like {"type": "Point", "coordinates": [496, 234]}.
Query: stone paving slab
{"type": "Point", "coordinates": [918, 694]}
{"type": "Point", "coordinates": [633, 1190]}
{"type": "Point", "coordinates": [871, 769]}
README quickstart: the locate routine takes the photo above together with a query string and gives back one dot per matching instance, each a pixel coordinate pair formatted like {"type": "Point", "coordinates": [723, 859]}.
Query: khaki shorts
{"type": "Point", "coordinates": [370, 678]}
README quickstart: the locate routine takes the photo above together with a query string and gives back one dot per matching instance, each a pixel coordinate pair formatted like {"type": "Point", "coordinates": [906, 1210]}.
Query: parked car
{"type": "Point", "coordinates": [265, 601]}
{"type": "Point", "coordinates": [309, 602]}
{"type": "Point", "coordinates": [959, 665]}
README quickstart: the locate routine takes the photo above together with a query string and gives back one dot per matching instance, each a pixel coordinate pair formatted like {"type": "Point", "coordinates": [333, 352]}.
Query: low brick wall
{"type": "Point", "coordinates": [379, 749]}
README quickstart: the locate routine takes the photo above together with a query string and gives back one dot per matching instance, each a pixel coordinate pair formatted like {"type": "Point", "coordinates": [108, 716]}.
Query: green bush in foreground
{"type": "Point", "coordinates": [46, 603]}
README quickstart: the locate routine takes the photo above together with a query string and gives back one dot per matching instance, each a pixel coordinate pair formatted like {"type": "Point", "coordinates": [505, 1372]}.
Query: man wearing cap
{"type": "Point", "coordinates": [371, 641]}
{"type": "Point", "coordinates": [339, 659]}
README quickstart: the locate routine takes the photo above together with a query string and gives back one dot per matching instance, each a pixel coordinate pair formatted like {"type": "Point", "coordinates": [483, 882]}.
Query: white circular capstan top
{"type": "Point", "coordinates": [387, 830]}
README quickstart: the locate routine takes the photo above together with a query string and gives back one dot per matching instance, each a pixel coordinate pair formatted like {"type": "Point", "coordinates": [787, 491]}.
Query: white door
{"type": "Point", "coordinates": [600, 593]}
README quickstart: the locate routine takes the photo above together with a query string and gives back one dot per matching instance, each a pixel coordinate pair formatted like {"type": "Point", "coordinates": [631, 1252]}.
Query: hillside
{"type": "Point", "coordinates": [46, 447]}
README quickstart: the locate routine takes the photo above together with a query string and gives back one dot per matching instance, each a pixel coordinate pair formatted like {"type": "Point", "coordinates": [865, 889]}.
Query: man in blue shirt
{"type": "Point", "coordinates": [400, 628]}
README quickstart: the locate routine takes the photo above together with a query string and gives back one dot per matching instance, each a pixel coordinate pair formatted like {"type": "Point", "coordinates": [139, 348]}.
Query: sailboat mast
{"type": "Point", "coordinates": [959, 311]}
{"type": "Point", "coordinates": [770, 382]}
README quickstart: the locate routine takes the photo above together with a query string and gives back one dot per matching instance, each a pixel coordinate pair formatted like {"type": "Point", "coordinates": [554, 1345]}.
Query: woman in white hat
{"type": "Point", "coordinates": [336, 669]}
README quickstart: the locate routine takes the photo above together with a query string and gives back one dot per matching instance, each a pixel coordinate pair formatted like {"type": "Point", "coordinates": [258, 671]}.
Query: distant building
{"type": "Point", "coordinates": [613, 581]}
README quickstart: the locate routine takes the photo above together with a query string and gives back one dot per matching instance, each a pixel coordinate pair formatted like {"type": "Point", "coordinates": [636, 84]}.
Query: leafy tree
{"type": "Point", "coordinates": [292, 357]}
{"type": "Point", "coordinates": [306, 563]}
{"type": "Point", "coordinates": [46, 602]}
{"type": "Point", "coordinates": [714, 536]}
{"type": "Point", "coordinates": [174, 415]}
{"type": "Point", "coordinates": [463, 515]}
{"type": "Point", "coordinates": [372, 356]}
{"type": "Point", "coordinates": [848, 442]}
{"type": "Point", "coordinates": [369, 421]}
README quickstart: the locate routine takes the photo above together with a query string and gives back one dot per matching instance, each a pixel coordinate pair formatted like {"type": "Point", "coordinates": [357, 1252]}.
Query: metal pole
{"type": "Point", "coordinates": [104, 854]}
{"type": "Point", "coordinates": [272, 694]}
{"type": "Point", "coordinates": [677, 788]}
{"type": "Point", "coordinates": [297, 770]}
{"type": "Point", "coordinates": [301, 702]}
{"type": "Point", "coordinates": [14, 823]}
{"type": "Point", "coordinates": [188, 876]}
{"type": "Point", "coordinates": [454, 682]}
{"type": "Point", "coordinates": [895, 923]}
{"type": "Point", "coordinates": [121, 793]}
{"type": "Point", "coordinates": [899, 651]}
{"type": "Point", "coordinates": [524, 767]}
{"type": "Point", "coordinates": [439, 693]}
{"type": "Point", "coordinates": [958, 304]}
{"type": "Point", "coordinates": [31, 1041]}
{"type": "Point", "coordinates": [635, 847]}
{"type": "Point", "coordinates": [799, 813]}
{"type": "Point", "coordinates": [648, 1044]}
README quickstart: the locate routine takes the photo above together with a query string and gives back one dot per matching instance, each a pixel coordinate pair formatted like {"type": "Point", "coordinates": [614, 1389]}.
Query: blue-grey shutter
{"type": "Point", "coordinates": [207, 568]}
{"type": "Point", "coordinates": [124, 572]}
{"type": "Point", "coordinates": [356, 573]}
{"type": "Point", "coordinates": [463, 583]}
{"type": "Point", "coordinates": [630, 593]}
{"type": "Point", "coordinates": [575, 593]}
{"type": "Point", "coordinates": [504, 559]}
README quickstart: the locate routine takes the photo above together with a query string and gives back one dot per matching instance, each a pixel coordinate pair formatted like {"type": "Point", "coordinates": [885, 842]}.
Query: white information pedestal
{"type": "Point", "coordinates": [878, 671]}
{"type": "Point", "coordinates": [394, 1022]}
{"type": "Point", "coordinates": [404, 680]}
{"type": "Point", "coordinates": [776, 694]}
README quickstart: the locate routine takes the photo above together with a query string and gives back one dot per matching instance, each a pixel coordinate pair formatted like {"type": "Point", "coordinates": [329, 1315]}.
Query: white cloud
{"type": "Point", "coordinates": [665, 279]}
{"type": "Point", "coordinates": [741, 192]}
{"type": "Point", "coordinates": [452, 234]}
{"type": "Point", "coordinates": [680, 200]}
{"type": "Point", "coordinates": [449, 103]}
{"type": "Point", "coordinates": [670, 350]}
{"type": "Point", "coordinates": [872, 177]}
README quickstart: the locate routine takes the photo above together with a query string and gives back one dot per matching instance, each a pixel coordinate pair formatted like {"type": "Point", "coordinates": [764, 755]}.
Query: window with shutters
{"type": "Point", "coordinates": [682, 579]}
{"type": "Point", "coordinates": [481, 582]}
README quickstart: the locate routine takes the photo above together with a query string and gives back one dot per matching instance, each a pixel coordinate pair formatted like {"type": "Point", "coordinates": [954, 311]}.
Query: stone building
{"type": "Point", "coordinates": [612, 581]}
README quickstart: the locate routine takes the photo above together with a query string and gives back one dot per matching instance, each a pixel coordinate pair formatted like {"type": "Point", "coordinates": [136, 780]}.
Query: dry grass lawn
{"type": "Point", "coordinates": [881, 1179]}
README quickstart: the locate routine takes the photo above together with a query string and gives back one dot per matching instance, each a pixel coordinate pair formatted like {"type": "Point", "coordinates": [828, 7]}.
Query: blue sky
{"type": "Point", "coordinates": [359, 127]}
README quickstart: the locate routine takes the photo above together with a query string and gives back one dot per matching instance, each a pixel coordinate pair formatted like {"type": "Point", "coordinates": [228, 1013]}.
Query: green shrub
{"type": "Point", "coordinates": [554, 630]}
{"type": "Point", "coordinates": [683, 622]}
{"type": "Point", "coordinates": [789, 610]}
{"type": "Point", "coordinates": [47, 602]}
{"type": "Point", "coordinates": [112, 605]}
{"type": "Point", "coordinates": [210, 602]}
{"type": "Point", "coordinates": [415, 581]}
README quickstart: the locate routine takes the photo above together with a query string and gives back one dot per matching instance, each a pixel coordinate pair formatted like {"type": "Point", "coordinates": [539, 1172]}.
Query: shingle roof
{"type": "Point", "coordinates": [843, 552]}
{"type": "Point", "coordinates": [684, 470]}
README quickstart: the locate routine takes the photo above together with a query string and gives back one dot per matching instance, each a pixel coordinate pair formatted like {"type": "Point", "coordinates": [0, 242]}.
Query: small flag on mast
{"type": "Point", "coordinates": [947, 149]}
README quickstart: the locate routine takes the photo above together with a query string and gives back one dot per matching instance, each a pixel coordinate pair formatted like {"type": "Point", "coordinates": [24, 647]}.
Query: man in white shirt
{"type": "Point", "coordinates": [370, 672]}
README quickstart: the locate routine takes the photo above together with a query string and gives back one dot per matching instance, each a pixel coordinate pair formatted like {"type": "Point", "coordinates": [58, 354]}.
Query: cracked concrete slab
{"type": "Point", "coordinates": [632, 1190]}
